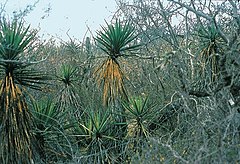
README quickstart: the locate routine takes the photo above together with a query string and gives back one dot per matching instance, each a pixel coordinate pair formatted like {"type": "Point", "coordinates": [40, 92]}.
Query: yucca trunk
{"type": "Point", "coordinates": [15, 138]}
{"type": "Point", "coordinates": [111, 75]}
{"type": "Point", "coordinates": [210, 60]}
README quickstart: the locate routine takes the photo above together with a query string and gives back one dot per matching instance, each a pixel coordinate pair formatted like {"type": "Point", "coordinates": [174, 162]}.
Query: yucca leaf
{"type": "Point", "coordinates": [140, 113]}
{"type": "Point", "coordinates": [115, 39]}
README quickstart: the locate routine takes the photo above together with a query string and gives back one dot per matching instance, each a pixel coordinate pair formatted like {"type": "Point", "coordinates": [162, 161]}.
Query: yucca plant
{"type": "Point", "coordinates": [115, 41]}
{"type": "Point", "coordinates": [68, 95]}
{"type": "Point", "coordinates": [96, 137]}
{"type": "Point", "coordinates": [140, 115]}
{"type": "Point", "coordinates": [209, 49]}
{"type": "Point", "coordinates": [51, 130]}
{"type": "Point", "coordinates": [16, 75]}
{"type": "Point", "coordinates": [68, 74]}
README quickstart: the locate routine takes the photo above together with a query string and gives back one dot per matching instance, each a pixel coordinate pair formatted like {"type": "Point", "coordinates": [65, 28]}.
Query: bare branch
{"type": "Point", "coordinates": [236, 16]}
{"type": "Point", "coordinates": [219, 31]}
{"type": "Point", "coordinates": [193, 10]}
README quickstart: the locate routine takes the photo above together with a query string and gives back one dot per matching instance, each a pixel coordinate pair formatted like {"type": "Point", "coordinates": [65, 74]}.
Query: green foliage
{"type": "Point", "coordinates": [140, 114]}
{"type": "Point", "coordinates": [96, 136]}
{"type": "Point", "coordinates": [115, 39]}
{"type": "Point", "coordinates": [15, 40]}
{"type": "Point", "coordinates": [51, 128]}
{"type": "Point", "coordinates": [67, 75]}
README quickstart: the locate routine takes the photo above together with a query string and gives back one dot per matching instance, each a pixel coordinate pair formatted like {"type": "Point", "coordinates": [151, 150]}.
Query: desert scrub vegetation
{"type": "Point", "coordinates": [159, 83]}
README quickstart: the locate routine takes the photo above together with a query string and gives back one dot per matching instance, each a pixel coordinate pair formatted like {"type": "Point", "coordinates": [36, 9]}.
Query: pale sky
{"type": "Point", "coordinates": [72, 15]}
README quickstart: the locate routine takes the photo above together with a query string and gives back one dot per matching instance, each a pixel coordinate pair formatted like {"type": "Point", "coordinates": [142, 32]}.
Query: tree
{"type": "Point", "coordinates": [17, 140]}
{"type": "Point", "coordinates": [115, 41]}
